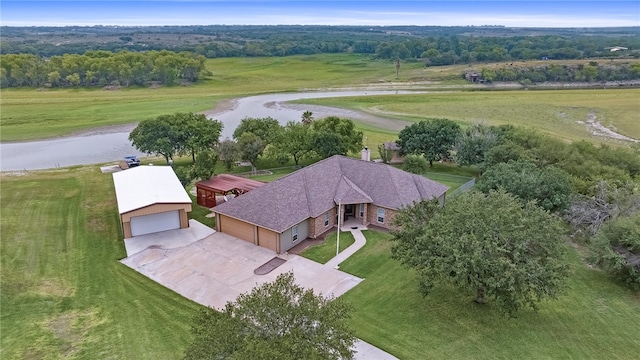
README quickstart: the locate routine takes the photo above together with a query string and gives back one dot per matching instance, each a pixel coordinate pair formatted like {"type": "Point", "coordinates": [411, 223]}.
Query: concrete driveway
{"type": "Point", "coordinates": [217, 269]}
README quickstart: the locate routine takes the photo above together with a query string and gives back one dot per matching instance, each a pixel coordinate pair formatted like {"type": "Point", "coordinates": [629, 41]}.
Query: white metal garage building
{"type": "Point", "coordinates": [150, 199]}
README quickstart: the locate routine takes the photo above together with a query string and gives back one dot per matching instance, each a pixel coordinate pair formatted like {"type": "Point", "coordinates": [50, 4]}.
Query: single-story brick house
{"type": "Point", "coordinates": [304, 204]}
{"type": "Point", "coordinates": [151, 199]}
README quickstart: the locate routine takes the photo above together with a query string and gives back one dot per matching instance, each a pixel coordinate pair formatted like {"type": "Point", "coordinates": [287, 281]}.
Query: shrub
{"type": "Point", "coordinates": [415, 164]}
{"type": "Point", "coordinates": [616, 248]}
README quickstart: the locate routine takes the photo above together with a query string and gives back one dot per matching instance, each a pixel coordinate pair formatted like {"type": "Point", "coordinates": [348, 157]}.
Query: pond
{"type": "Point", "coordinates": [111, 144]}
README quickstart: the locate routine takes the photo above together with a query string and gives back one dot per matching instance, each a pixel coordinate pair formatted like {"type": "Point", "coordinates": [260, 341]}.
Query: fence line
{"type": "Point", "coordinates": [468, 185]}
{"type": "Point", "coordinates": [447, 177]}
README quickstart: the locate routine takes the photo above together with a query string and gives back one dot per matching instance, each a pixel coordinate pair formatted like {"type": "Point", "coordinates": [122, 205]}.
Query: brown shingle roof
{"type": "Point", "coordinates": [315, 189]}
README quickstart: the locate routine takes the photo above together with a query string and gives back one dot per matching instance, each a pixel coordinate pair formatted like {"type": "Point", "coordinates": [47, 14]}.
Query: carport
{"type": "Point", "coordinates": [223, 184]}
{"type": "Point", "coordinates": [150, 199]}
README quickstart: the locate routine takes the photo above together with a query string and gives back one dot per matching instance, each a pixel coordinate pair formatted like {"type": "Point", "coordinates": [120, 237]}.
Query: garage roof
{"type": "Point", "coordinates": [147, 185]}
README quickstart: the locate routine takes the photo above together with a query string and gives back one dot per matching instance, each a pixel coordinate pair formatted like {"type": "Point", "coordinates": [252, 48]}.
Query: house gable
{"type": "Point", "coordinates": [313, 190]}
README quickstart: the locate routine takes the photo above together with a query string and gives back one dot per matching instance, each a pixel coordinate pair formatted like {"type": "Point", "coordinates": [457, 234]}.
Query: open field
{"type": "Point", "coordinates": [596, 319]}
{"type": "Point", "coordinates": [31, 114]}
{"type": "Point", "coordinates": [64, 294]}
{"type": "Point", "coordinates": [555, 112]}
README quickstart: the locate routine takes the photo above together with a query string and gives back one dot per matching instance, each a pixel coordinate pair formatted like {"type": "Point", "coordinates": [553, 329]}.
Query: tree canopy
{"type": "Point", "coordinates": [100, 68]}
{"type": "Point", "coordinates": [228, 152]}
{"type": "Point", "coordinates": [156, 136]}
{"type": "Point", "coordinates": [278, 320]}
{"type": "Point", "coordinates": [294, 141]}
{"type": "Point", "coordinates": [549, 187]}
{"type": "Point", "coordinates": [491, 243]}
{"type": "Point", "coordinates": [267, 129]}
{"type": "Point", "coordinates": [473, 143]}
{"type": "Point", "coordinates": [250, 148]}
{"type": "Point", "coordinates": [434, 139]}
{"type": "Point", "coordinates": [340, 136]}
{"type": "Point", "coordinates": [180, 133]}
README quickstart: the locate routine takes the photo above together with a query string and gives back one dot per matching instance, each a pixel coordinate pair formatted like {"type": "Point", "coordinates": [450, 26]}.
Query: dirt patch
{"type": "Point", "coordinates": [72, 328]}
{"type": "Point", "coordinates": [597, 129]}
{"type": "Point", "coordinates": [55, 288]}
{"type": "Point", "coordinates": [221, 107]}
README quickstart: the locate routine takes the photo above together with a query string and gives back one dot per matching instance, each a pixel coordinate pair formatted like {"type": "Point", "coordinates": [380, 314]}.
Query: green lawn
{"type": "Point", "coordinates": [63, 292]}
{"type": "Point", "coordinates": [555, 112]}
{"type": "Point", "coordinates": [327, 250]}
{"type": "Point", "coordinates": [596, 319]}
{"type": "Point", "coordinates": [32, 114]}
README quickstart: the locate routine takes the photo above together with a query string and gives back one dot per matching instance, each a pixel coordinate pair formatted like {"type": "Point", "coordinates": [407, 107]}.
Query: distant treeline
{"type": "Point", "coordinates": [100, 68]}
{"type": "Point", "coordinates": [591, 72]}
{"type": "Point", "coordinates": [433, 45]}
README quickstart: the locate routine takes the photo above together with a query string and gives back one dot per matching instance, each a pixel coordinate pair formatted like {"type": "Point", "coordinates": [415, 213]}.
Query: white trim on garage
{"type": "Point", "coordinates": [146, 224]}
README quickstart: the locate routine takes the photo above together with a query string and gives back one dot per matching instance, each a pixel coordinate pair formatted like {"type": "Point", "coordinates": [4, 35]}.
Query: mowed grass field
{"type": "Point", "coordinates": [64, 294]}
{"type": "Point", "coordinates": [595, 319]}
{"type": "Point", "coordinates": [560, 113]}
{"type": "Point", "coordinates": [33, 114]}
{"type": "Point", "coordinates": [41, 113]}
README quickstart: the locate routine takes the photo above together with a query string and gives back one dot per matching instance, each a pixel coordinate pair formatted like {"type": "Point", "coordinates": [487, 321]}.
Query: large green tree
{"type": "Point", "coordinates": [278, 320]}
{"type": "Point", "coordinates": [489, 243]}
{"type": "Point", "coordinates": [294, 141]}
{"type": "Point", "coordinates": [229, 153]}
{"type": "Point", "coordinates": [267, 129]}
{"type": "Point", "coordinates": [179, 133]}
{"type": "Point", "coordinates": [250, 148]}
{"type": "Point", "coordinates": [197, 133]}
{"type": "Point", "coordinates": [550, 187]}
{"type": "Point", "coordinates": [473, 143]}
{"type": "Point", "coordinates": [341, 132]}
{"type": "Point", "coordinates": [434, 139]}
{"type": "Point", "coordinates": [156, 136]}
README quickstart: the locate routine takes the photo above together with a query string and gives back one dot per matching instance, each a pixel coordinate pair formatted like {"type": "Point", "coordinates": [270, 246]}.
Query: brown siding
{"type": "Point", "coordinates": [373, 216]}
{"type": "Point", "coordinates": [237, 228]}
{"type": "Point", "coordinates": [268, 239]}
{"type": "Point", "coordinates": [154, 209]}
{"type": "Point", "coordinates": [316, 225]}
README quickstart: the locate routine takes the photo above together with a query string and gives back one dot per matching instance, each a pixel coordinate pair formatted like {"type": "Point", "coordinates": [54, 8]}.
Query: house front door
{"type": "Point", "coordinates": [349, 211]}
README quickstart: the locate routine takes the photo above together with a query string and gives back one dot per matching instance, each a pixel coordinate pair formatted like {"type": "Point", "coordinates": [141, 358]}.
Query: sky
{"type": "Point", "coordinates": [514, 13]}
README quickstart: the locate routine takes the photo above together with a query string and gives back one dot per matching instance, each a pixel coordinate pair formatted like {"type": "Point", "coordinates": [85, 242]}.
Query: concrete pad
{"type": "Point", "coordinates": [110, 169]}
{"type": "Point", "coordinates": [366, 351]}
{"type": "Point", "coordinates": [169, 239]}
{"type": "Point", "coordinates": [218, 268]}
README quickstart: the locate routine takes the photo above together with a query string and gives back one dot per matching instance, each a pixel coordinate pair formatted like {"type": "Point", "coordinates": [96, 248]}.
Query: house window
{"type": "Point", "coordinates": [381, 215]}
{"type": "Point", "coordinates": [361, 210]}
{"type": "Point", "coordinates": [294, 233]}
{"type": "Point", "coordinates": [326, 219]}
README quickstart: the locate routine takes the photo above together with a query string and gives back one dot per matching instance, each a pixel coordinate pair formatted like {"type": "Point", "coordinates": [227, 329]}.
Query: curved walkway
{"type": "Point", "coordinates": [360, 241]}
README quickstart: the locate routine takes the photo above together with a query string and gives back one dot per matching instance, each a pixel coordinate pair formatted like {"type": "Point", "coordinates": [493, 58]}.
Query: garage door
{"type": "Point", "coordinates": [268, 239]}
{"type": "Point", "coordinates": [147, 224]}
{"type": "Point", "coordinates": [236, 228]}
